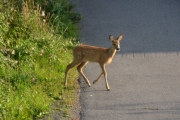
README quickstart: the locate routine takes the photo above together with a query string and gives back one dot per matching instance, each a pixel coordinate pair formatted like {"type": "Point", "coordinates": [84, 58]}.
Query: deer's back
{"type": "Point", "coordinates": [89, 53]}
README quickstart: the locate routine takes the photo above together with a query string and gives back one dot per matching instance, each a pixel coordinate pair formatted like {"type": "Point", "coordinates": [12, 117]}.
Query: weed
{"type": "Point", "coordinates": [35, 46]}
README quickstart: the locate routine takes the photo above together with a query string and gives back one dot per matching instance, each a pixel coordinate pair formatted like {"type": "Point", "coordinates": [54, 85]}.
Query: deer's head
{"type": "Point", "coordinates": [116, 42]}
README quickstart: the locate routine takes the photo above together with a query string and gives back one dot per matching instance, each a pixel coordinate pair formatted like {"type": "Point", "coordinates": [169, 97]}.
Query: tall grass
{"type": "Point", "coordinates": [34, 51]}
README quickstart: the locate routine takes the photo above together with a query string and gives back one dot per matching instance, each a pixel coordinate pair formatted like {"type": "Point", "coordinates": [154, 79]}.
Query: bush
{"type": "Point", "coordinates": [34, 51]}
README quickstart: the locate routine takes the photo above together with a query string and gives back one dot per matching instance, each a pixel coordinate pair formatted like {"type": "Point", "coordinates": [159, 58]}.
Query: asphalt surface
{"type": "Point", "coordinates": [144, 76]}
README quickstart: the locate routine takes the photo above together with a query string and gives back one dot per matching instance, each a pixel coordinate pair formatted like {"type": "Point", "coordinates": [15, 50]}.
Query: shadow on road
{"type": "Point", "coordinates": [148, 26]}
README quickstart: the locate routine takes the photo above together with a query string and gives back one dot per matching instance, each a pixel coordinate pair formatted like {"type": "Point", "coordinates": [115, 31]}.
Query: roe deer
{"type": "Point", "coordinates": [84, 53]}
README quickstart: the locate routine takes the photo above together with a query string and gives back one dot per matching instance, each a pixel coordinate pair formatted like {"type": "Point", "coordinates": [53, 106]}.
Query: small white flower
{"type": "Point", "coordinates": [43, 13]}
{"type": "Point", "coordinates": [13, 52]}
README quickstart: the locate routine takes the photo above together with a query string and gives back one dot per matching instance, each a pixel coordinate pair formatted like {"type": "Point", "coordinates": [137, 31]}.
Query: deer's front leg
{"type": "Point", "coordinates": [105, 75]}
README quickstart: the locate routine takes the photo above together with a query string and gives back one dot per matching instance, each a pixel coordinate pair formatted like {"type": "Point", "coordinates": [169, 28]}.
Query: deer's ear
{"type": "Point", "coordinates": [120, 37]}
{"type": "Point", "coordinates": [111, 38]}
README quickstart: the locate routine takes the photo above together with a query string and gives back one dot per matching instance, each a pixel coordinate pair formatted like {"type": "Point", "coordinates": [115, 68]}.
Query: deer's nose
{"type": "Point", "coordinates": [118, 49]}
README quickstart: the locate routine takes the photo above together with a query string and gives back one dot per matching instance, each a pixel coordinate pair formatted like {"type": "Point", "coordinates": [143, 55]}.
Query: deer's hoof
{"type": "Point", "coordinates": [94, 81]}
{"type": "Point", "coordinates": [108, 89]}
{"type": "Point", "coordinates": [88, 83]}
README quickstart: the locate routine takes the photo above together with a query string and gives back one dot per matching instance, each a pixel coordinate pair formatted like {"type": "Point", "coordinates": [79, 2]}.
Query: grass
{"type": "Point", "coordinates": [34, 51]}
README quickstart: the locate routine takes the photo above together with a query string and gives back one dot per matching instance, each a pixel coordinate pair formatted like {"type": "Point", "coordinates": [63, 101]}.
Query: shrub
{"type": "Point", "coordinates": [33, 56]}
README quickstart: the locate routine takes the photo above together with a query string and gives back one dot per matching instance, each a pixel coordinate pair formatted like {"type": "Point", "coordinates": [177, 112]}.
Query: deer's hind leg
{"type": "Point", "coordinates": [79, 68]}
{"type": "Point", "coordinates": [71, 65]}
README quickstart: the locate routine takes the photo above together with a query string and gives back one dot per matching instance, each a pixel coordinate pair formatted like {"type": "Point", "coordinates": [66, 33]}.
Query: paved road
{"type": "Point", "coordinates": [145, 76]}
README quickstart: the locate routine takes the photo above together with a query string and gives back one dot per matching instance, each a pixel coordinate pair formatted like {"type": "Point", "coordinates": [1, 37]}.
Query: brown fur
{"type": "Point", "coordinates": [84, 53]}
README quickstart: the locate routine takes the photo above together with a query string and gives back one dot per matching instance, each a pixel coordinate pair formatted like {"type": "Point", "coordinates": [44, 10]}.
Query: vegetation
{"type": "Point", "coordinates": [36, 38]}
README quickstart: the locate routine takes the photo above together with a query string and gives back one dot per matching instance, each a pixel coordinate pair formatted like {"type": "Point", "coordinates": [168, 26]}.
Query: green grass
{"type": "Point", "coordinates": [34, 52]}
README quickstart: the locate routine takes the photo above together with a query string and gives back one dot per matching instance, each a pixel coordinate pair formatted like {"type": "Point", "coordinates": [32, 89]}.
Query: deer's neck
{"type": "Point", "coordinates": [111, 52]}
